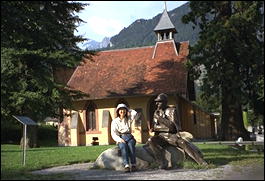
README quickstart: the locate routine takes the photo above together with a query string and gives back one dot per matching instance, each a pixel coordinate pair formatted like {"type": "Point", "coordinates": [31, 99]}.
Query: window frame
{"type": "Point", "coordinates": [91, 108]}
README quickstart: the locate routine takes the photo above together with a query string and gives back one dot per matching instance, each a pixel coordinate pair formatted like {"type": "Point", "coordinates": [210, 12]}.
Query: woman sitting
{"type": "Point", "coordinates": [121, 133]}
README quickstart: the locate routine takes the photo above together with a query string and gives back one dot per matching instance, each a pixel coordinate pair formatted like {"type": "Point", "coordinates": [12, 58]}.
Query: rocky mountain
{"type": "Point", "coordinates": [105, 42]}
{"type": "Point", "coordinates": [140, 33]}
{"type": "Point", "coordinates": [93, 45]}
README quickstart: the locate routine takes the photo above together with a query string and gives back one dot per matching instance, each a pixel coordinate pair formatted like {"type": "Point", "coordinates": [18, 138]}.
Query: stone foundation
{"type": "Point", "coordinates": [111, 159]}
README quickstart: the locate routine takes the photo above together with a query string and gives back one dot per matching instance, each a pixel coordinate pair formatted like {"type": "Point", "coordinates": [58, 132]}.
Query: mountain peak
{"type": "Point", "coordinates": [93, 45]}
{"type": "Point", "coordinates": [141, 32]}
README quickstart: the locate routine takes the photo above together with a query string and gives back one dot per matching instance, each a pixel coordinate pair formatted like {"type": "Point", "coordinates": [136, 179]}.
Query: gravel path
{"type": "Point", "coordinates": [227, 172]}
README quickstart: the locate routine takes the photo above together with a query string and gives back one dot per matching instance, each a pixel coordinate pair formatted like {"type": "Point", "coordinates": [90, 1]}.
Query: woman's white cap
{"type": "Point", "coordinates": [122, 106]}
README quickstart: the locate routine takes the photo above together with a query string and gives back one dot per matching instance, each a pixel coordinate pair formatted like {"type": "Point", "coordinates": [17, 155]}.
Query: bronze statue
{"type": "Point", "coordinates": [167, 127]}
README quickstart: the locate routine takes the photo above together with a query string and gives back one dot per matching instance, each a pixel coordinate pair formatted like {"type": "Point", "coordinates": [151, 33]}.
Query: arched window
{"type": "Point", "coordinates": [162, 36]}
{"type": "Point", "coordinates": [91, 116]}
{"type": "Point", "coordinates": [167, 35]}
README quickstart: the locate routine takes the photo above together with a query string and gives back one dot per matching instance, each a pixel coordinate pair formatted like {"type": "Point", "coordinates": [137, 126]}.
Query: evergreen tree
{"type": "Point", "coordinates": [37, 38]}
{"type": "Point", "coordinates": [232, 53]}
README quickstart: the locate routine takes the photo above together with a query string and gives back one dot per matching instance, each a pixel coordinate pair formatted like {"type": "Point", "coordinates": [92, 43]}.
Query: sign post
{"type": "Point", "coordinates": [25, 121]}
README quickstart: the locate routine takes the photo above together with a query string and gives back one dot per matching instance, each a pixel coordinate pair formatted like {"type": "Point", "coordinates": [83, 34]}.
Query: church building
{"type": "Point", "coordinates": [134, 76]}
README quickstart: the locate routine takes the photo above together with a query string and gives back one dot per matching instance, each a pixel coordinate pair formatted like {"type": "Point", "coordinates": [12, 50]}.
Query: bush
{"type": "Point", "coordinates": [11, 133]}
{"type": "Point", "coordinates": [47, 135]}
{"type": "Point", "coordinates": [47, 132]}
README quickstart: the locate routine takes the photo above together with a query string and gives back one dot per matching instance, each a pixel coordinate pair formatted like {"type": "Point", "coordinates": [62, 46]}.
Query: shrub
{"type": "Point", "coordinates": [47, 135]}
{"type": "Point", "coordinates": [11, 133]}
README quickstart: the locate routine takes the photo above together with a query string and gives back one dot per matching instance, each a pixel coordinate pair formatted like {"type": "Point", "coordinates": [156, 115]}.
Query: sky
{"type": "Point", "coordinates": [108, 18]}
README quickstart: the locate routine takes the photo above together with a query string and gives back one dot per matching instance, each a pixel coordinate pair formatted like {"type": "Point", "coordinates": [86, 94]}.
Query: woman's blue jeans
{"type": "Point", "coordinates": [128, 151]}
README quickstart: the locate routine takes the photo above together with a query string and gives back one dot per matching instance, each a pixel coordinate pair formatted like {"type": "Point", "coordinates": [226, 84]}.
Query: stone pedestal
{"type": "Point", "coordinates": [174, 156]}
{"type": "Point", "coordinates": [110, 159]}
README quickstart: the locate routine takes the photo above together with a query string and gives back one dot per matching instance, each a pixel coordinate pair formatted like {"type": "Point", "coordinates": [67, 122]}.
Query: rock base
{"type": "Point", "coordinates": [111, 159]}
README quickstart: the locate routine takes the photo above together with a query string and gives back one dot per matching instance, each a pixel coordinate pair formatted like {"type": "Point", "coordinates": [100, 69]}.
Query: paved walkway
{"type": "Point", "coordinates": [226, 172]}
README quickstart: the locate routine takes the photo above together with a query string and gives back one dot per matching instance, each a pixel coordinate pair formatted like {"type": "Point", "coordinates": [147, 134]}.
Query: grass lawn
{"type": "Point", "coordinates": [44, 157]}
{"type": "Point", "coordinates": [218, 155]}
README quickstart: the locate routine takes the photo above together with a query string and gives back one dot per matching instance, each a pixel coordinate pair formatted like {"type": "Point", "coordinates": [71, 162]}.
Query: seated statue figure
{"type": "Point", "coordinates": [167, 128]}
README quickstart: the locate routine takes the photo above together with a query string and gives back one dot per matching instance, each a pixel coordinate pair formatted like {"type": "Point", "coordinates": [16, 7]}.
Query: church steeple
{"type": "Point", "coordinates": [165, 5]}
{"type": "Point", "coordinates": [165, 29]}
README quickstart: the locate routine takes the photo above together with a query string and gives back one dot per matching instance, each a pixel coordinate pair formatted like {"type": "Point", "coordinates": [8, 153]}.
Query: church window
{"type": "Point", "coordinates": [91, 116]}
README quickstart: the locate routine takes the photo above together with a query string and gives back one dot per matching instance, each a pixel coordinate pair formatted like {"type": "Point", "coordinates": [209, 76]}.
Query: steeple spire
{"type": "Point", "coordinates": [165, 28]}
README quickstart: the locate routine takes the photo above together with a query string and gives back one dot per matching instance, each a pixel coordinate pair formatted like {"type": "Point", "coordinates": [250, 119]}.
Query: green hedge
{"type": "Point", "coordinates": [13, 133]}
{"type": "Point", "coordinates": [47, 132]}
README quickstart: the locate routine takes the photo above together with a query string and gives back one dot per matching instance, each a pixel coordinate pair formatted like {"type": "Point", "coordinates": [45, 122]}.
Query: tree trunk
{"type": "Point", "coordinates": [232, 125]}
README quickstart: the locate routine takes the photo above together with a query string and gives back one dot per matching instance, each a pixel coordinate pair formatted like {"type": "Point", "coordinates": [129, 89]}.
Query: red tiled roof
{"type": "Point", "coordinates": [137, 71]}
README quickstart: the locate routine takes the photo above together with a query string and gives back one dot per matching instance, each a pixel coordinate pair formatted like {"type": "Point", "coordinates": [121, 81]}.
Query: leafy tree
{"type": "Point", "coordinates": [232, 55]}
{"type": "Point", "coordinates": [210, 104]}
{"type": "Point", "coordinates": [37, 38]}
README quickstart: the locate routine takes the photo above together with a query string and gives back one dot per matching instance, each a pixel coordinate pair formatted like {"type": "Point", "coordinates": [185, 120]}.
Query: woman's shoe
{"type": "Point", "coordinates": [133, 169]}
{"type": "Point", "coordinates": [127, 169]}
